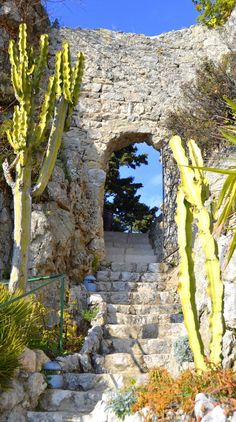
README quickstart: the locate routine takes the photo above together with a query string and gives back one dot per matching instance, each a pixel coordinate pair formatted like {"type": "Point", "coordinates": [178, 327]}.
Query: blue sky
{"type": "Point", "coordinates": [149, 17]}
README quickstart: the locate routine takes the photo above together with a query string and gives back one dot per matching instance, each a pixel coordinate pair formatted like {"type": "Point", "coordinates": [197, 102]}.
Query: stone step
{"type": "Point", "coordinates": [157, 360]}
{"type": "Point", "coordinates": [131, 267]}
{"type": "Point", "coordinates": [123, 331]}
{"type": "Point", "coordinates": [98, 382]}
{"type": "Point", "coordinates": [160, 317]}
{"type": "Point", "coordinates": [108, 275]}
{"type": "Point", "coordinates": [126, 363]}
{"type": "Point", "coordinates": [129, 249]}
{"type": "Point", "coordinates": [129, 237]}
{"type": "Point", "coordinates": [172, 330]}
{"type": "Point", "coordinates": [144, 296]}
{"type": "Point", "coordinates": [135, 363]}
{"type": "Point", "coordinates": [99, 414]}
{"type": "Point", "coordinates": [57, 417]}
{"type": "Point", "coordinates": [119, 286]}
{"type": "Point", "coordinates": [120, 318]}
{"type": "Point", "coordinates": [131, 259]}
{"type": "Point", "coordinates": [140, 346]}
{"type": "Point", "coordinates": [143, 309]}
{"type": "Point", "coordinates": [124, 244]}
{"type": "Point", "coordinates": [69, 401]}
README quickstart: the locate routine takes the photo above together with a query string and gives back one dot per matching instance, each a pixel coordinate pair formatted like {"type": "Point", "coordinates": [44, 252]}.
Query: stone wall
{"type": "Point", "coordinates": [130, 84]}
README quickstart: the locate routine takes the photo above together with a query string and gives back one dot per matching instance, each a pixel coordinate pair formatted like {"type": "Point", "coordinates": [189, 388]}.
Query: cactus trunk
{"type": "Point", "coordinates": [194, 186]}
{"type": "Point", "coordinates": [54, 144]}
{"type": "Point", "coordinates": [187, 282]}
{"type": "Point", "coordinates": [22, 220]}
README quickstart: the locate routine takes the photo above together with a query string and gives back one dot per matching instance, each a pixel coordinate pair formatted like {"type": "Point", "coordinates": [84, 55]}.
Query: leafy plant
{"type": "Point", "coordinates": [122, 402]}
{"type": "Point", "coordinates": [162, 393]}
{"type": "Point", "coordinates": [17, 321]}
{"type": "Point", "coordinates": [46, 337]}
{"type": "Point", "coordinates": [214, 12]}
{"type": "Point", "coordinates": [182, 351]}
{"type": "Point", "coordinates": [90, 314]}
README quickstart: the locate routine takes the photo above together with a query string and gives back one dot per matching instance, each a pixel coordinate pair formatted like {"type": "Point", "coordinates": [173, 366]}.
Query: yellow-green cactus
{"type": "Point", "coordinates": [194, 187]}
{"type": "Point", "coordinates": [187, 282]}
{"type": "Point", "coordinates": [29, 130]}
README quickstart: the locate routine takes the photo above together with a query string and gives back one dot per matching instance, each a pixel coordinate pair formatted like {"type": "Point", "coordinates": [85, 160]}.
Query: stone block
{"type": "Point", "coordinates": [154, 268]}
{"type": "Point", "coordinates": [120, 363]}
{"type": "Point", "coordinates": [28, 360]}
{"type": "Point", "coordinates": [41, 358]}
{"type": "Point", "coordinates": [71, 401]}
{"type": "Point", "coordinates": [103, 276]}
{"type": "Point", "coordinates": [150, 330]}
{"type": "Point", "coordinates": [10, 398]}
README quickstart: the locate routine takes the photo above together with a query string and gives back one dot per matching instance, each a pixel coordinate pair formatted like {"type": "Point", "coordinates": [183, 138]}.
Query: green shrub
{"type": "Point", "coordinates": [205, 111]}
{"type": "Point", "coordinates": [122, 402]}
{"type": "Point", "coordinates": [89, 314]}
{"type": "Point", "coordinates": [16, 321]}
{"type": "Point", "coordinates": [182, 351]}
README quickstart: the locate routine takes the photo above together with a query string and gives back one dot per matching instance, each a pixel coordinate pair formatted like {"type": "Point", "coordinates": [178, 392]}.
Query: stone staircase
{"type": "Point", "coordinates": [140, 321]}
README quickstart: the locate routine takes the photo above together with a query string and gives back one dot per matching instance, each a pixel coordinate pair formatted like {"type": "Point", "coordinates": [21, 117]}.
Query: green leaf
{"type": "Point", "coordinates": [231, 103]}
{"type": "Point", "coordinates": [231, 249]}
{"type": "Point", "coordinates": [215, 170]}
{"type": "Point", "coordinates": [229, 136]}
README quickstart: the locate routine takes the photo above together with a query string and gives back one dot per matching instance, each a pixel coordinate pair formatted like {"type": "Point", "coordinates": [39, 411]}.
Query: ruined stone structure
{"type": "Point", "coordinates": [131, 82]}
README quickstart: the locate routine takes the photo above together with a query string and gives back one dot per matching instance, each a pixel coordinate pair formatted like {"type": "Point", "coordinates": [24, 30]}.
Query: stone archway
{"type": "Point", "coordinates": [118, 143]}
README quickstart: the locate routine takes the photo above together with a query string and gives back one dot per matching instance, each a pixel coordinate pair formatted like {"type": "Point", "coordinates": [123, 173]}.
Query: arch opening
{"type": "Point", "coordinates": [133, 192]}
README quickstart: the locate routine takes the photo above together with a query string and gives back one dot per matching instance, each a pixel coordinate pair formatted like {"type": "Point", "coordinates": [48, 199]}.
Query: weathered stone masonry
{"type": "Point", "coordinates": [130, 84]}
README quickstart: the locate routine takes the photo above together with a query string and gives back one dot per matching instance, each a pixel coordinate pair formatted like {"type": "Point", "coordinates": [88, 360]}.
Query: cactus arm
{"type": "Point", "coordinates": [14, 65]}
{"type": "Point", "coordinates": [194, 194]}
{"type": "Point", "coordinates": [22, 219]}
{"type": "Point", "coordinates": [46, 113]}
{"type": "Point", "coordinates": [41, 62]}
{"type": "Point", "coordinates": [77, 73]}
{"type": "Point", "coordinates": [197, 162]}
{"type": "Point", "coordinates": [54, 144]}
{"type": "Point", "coordinates": [67, 71]}
{"type": "Point", "coordinates": [58, 74]}
{"type": "Point", "coordinates": [187, 282]}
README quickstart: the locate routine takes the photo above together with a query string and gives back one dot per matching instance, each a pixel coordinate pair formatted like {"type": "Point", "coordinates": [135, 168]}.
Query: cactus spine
{"type": "Point", "coordinates": [194, 189]}
{"type": "Point", "coordinates": [29, 130]}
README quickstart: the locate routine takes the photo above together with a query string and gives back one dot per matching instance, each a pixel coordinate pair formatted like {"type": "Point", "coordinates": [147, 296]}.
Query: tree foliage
{"type": "Point", "coordinates": [121, 196]}
{"type": "Point", "coordinates": [214, 12]}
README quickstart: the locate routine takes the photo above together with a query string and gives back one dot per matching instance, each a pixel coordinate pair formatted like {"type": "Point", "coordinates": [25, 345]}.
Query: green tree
{"type": "Point", "coordinates": [121, 193]}
{"type": "Point", "coordinates": [30, 130]}
{"type": "Point", "coordinates": [214, 12]}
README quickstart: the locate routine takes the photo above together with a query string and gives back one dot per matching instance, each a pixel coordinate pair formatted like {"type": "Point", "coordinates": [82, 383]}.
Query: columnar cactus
{"type": "Point", "coordinates": [193, 192]}
{"type": "Point", "coordinates": [30, 129]}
